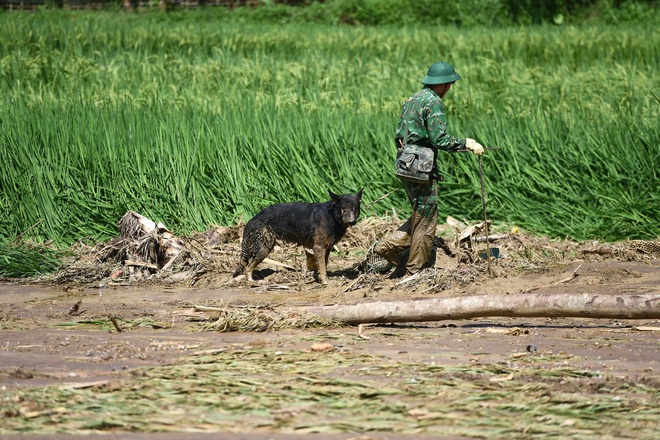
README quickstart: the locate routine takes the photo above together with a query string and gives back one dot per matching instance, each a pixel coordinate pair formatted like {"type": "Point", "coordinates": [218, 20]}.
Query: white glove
{"type": "Point", "coordinates": [474, 146]}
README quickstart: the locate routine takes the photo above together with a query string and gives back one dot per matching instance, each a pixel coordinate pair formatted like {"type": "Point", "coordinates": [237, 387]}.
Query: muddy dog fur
{"type": "Point", "coordinates": [316, 226]}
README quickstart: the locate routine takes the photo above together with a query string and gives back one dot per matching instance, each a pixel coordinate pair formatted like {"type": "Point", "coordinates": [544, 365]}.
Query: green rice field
{"type": "Point", "coordinates": [197, 119]}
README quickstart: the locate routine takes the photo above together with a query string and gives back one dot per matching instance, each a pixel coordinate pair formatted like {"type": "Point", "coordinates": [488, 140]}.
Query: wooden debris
{"type": "Point", "coordinates": [140, 264]}
{"type": "Point", "coordinates": [150, 234]}
{"type": "Point", "coordinates": [573, 275]}
{"type": "Point", "coordinates": [647, 328]}
{"type": "Point", "coordinates": [522, 305]}
{"type": "Point", "coordinates": [75, 310]}
{"type": "Point", "coordinates": [83, 385]}
{"type": "Point", "coordinates": [113, 320]}
{"type": "Point", "coordinates": [277, 263]}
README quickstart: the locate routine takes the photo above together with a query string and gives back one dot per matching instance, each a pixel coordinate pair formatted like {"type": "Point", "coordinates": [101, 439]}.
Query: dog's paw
{"type": "Point", "coordinates": [236, 280]}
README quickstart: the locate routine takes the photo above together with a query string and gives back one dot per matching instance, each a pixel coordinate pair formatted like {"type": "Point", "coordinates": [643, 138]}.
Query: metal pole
{"type": "Point", "coordinates": [483, 204]}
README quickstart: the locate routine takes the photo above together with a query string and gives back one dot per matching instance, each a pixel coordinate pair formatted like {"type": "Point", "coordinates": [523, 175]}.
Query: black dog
{"type": "Point", "coordinates": [317, 226]}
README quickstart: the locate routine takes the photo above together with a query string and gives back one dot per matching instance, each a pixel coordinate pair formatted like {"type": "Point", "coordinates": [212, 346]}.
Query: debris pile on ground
{"type": "Point", "coordinates": [146, 252]}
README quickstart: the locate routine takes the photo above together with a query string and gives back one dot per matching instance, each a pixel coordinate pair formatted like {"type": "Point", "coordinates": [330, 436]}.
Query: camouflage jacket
{"type": "Point", "coordinates": [423, 122]}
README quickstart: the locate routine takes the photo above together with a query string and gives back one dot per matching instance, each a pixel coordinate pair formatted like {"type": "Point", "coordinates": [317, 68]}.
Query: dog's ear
{"type": "Point", "coordinates": [359, 194]}
{"type": "Point", "coordinates": [335, 198]}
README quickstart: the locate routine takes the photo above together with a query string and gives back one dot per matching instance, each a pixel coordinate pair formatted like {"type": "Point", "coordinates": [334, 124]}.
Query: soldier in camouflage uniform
{"type": "Point", "coordinates": [423, 122]}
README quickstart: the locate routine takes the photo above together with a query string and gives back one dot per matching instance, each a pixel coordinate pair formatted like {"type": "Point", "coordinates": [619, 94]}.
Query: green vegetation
{"type": "Point", "coordinates": [198, 118]}
{"type": "Point", "coordinates": [463, 13]}
{"type": "Point", "coordinates": [26, 260]}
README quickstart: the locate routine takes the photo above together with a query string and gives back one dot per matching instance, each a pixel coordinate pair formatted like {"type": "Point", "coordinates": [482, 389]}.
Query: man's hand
{"type": "Point", "coordinates": [474, 146]}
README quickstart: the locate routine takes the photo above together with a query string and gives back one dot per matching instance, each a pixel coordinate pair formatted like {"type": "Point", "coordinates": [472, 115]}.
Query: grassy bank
{"type": "Point", "coordinates": [195, 120]}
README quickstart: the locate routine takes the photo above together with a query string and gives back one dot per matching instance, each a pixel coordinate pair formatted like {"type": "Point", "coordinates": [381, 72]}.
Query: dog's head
{"type": "Point", "coordinates": [348, 206]}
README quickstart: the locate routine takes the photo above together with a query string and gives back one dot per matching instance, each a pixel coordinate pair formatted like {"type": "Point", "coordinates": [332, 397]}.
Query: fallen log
{"type": "Point", "coordinates": [517, 306]}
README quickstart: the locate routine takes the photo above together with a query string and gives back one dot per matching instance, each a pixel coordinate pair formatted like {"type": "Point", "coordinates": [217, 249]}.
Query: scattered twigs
{"type": "Point", "coordinates": [169, 263]}
{"type": "Point", "coordinates": [408, 279]}
{"type": "Point", "coordinates": [352, 285]}
{"type": "Point", "coordinates": [491, 238]}
{"type": "Point", "coordinates": [363, 280]}
{"type": "Point", "coordinates": [209, 309]}
{"type": "Point", "coordinates": [83, 385]}
{"type": "Point", "coordinates": [380, 198]}
{"type": "Point", "coordinates": [140, 264]}
{"type": "Point", "coordinates": [75, 310]}
{"type": "Point", "coordinates": [18, 238]}
{"type": "Point", "coordinates": [113, 320]}
{"type": "Point", "coordinates": [277, 263]}
{"type": "Point", "coordinates": [572, 276]}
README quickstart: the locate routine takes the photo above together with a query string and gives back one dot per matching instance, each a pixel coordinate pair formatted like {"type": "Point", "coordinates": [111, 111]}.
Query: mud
{"type": "Point", "coordinates": [62, 334]}
{"type": "Point", "coordinates": [43, 343]}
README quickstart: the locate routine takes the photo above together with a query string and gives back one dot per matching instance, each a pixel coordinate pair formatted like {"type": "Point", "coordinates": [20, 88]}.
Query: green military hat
{"type": "Point", "coordinates": [440, 73]}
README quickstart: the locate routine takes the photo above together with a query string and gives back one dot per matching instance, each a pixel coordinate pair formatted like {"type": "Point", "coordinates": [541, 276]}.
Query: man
{"type": "Point", "coordinates": [423, 122]}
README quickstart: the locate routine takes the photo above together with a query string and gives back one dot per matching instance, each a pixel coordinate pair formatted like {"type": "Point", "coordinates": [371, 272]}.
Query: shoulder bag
{"type": "Point", "coordinates": [415, 164]}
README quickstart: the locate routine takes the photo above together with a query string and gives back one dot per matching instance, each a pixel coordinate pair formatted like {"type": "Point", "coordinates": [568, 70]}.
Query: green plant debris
{"type": "Point", "coordinates": [235, 319]}
{"type": "Point", "coordinates": [106, 324]}
{"type": "Point", "coordinates": [341, 392]}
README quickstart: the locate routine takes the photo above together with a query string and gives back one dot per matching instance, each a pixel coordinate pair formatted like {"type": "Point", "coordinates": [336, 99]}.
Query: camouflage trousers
{"type": "Point", "coordinates": [418, 231]}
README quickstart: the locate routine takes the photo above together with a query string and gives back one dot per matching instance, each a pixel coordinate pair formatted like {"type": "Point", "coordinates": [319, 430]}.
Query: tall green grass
{"type": "Point", "coordinates": [194, 120]}
{"type": "Point", "coordinates": [26, 260]}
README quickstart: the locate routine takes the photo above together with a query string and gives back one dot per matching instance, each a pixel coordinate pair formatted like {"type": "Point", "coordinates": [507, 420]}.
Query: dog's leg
{"type": "Point", "coordinates": [325, 262]}
{"type": "Point", "coordinates": [261, 243]}
{"type": "Point", "coordinates": [248, 272]}
{"type": "Point", "coordinates": [240, 268]}
{"type": "Point", "coordinates": [311, 261]}
{"type": "Point", "coordinates": [255, 261]}
{"type": "Point", "coordinates": [321, 257]}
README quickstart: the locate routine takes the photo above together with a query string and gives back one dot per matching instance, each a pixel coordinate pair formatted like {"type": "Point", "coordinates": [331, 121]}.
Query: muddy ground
{"type": "Point", "coordinates": [100, 326]}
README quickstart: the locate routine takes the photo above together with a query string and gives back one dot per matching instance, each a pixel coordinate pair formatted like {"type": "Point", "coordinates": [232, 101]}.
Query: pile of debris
{"type": "Point", "coordinates": [144, 251]}
{"type": "Point", "coordinates": [147, 252]}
